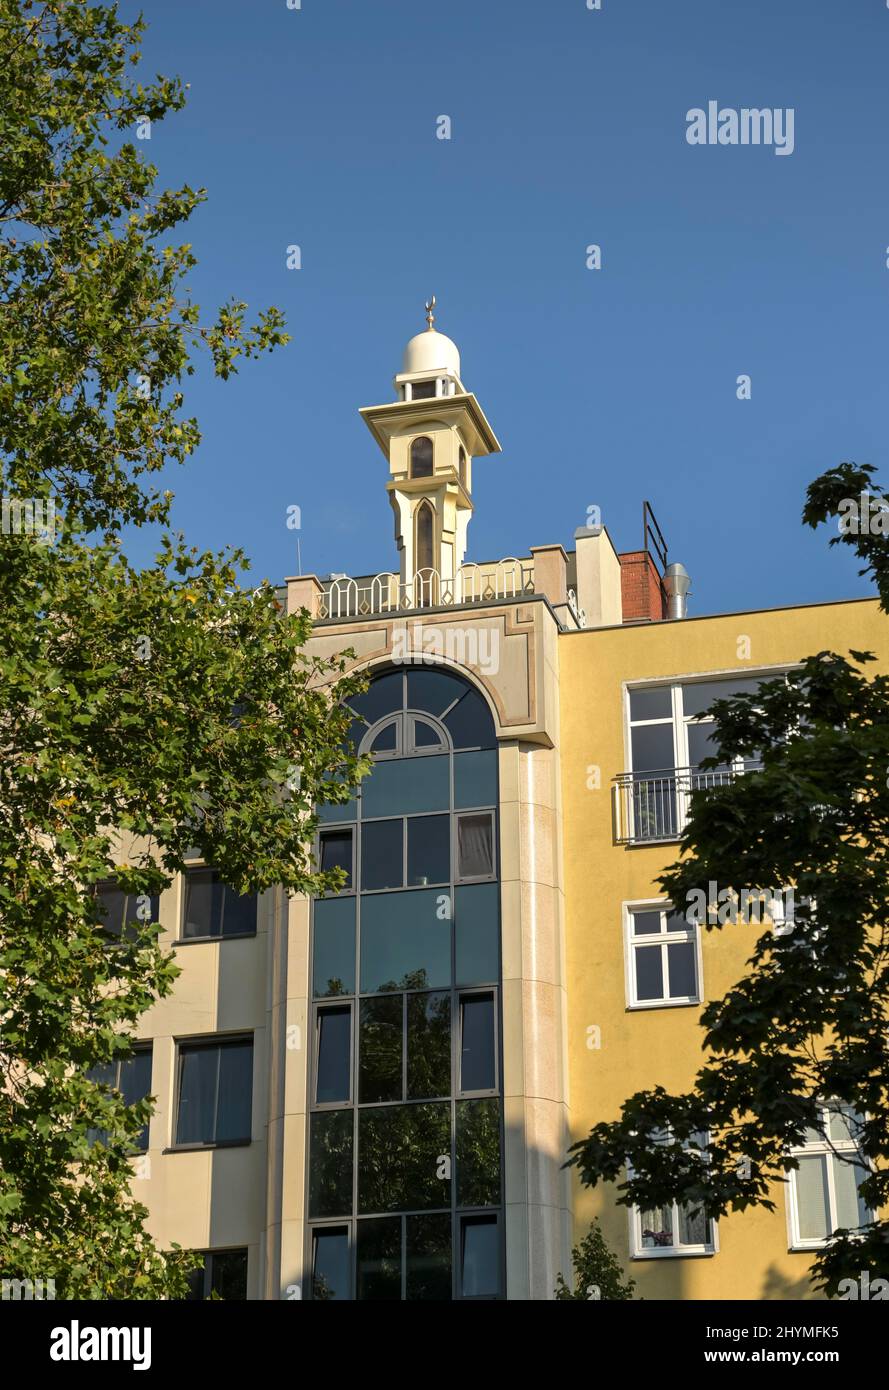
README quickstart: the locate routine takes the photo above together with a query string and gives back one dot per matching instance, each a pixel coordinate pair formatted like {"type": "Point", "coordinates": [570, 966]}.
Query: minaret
{"type": "Point", "coordinates": [430, 435]}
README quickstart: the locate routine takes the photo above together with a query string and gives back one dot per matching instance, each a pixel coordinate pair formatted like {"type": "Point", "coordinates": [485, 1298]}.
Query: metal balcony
{"type": "Point", "coordinates": [652, 807]}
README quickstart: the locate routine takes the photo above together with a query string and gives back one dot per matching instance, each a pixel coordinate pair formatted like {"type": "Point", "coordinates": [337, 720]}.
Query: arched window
{"type": "Point", "coordinates": [425, 532]}
{"type": "Point", "coordinates": [462, 465]}
{"type": "Point", "coordinates": [421, 457]}
{"type": "Point", "coordinates": [406, 985]}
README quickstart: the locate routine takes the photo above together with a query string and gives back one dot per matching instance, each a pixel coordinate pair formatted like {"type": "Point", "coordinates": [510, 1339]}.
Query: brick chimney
{"type": "Point", "coordinates": [642, 592]}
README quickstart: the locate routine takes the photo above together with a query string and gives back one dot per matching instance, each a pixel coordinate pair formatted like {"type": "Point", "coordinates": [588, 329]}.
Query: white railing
{"type": "Point", "coordinates": [386, 593]}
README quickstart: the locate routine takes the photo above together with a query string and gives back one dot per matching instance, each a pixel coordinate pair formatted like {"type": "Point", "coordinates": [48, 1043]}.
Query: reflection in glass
{"type": "Point", "coordinates": [380, 1045]}
{"type": "Point", "coordinates": [330, 1163]}
{"type": "Point", "coordinates": [432, 691]}
{"type": "Point", "coordinates": [428, 1045]}
{"type": "Point", "coordinates": [478, 1060]}
{"type": "Point", "coordinates": [215, 1092]}
{"type": "Point", "coordinates": [402, 1153]}
{"type": "Point", "coordinates": [382, 696]}
{"type": "Point", "coordinates": [214, 909]}
{"type": "Point", "coordinates": [333, 947]}
{"type": "Point", "coordinates": [470, 724]}
{"type": "Point", "coordinates": [478, 1152]}
{"type": "Point", "coordinates": [382, 854]}
{"type": "Point", "coordinates": [407, 786]}
{"type": "Point", "coordinates": [336, 852]}
{"type": "Point", "coordinates": [475, 778]}
{"type": "Point", "coordinates": [428, 1248]}
{"type": "Point", "coordinates": [405, 944]}
{"type": "Point", "coordinates": [379, 1259]}
{"type": "Point", "coordinates": [479, 1257]}
{"type": "Point", "coordinates": [477, 930]}
{"type": "Point", "coordinates": [330, 1263]}
{"type": "Point", "coordinates": [428, 850]}
{"type": "Point", "coordinates": [656, 703]}
{"type": "Point", "coordinates": [334, 1055]}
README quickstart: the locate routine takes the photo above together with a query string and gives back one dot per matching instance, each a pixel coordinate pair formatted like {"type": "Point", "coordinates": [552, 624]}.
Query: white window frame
{"type": "Point", "coordinates": [820, 1148]}
{"type": "Point", "coordinates": [638, 1251]}
{"type": "Point", "coordinates": [633, 943]}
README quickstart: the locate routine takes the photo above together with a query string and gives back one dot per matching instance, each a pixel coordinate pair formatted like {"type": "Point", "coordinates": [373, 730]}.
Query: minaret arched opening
{"type": "Point", "coordinates": [425, 537]}
{"type": "Point", "coordinates": [421, 457]}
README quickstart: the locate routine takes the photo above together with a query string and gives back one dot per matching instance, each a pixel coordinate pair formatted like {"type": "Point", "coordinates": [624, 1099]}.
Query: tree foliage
{"type": "Point", "coordinates": [597, 1272]}
{"type": "Point", "coordinates": [809, 1021]}
{"type": "Point", "coordinates": [143, 713]}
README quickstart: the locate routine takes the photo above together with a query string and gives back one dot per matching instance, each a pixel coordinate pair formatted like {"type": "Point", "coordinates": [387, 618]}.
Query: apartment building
{"type": "Point", "coordinates": [371, 1096]}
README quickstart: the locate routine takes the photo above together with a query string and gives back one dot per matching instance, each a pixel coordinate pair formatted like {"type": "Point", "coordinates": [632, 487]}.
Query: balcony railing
{"type": "Point", "coordinates": [653, 807]}
{"type": "Point", "coordinates": [387, 593]}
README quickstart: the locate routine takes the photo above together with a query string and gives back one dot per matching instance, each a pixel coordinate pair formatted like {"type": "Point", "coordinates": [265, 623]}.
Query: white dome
{"type": "Point", "coordinates": [431, 352]}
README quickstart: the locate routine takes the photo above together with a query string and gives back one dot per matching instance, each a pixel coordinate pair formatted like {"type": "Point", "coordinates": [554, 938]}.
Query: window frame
{"type": "Point", "coordinates": [198, 866]}
{"type": "Point", "coordinates": [664, 938]}
{"type": "Point", "coordinates": [330, 828]}
{"type": "Point", "coordinates": [139, 1048]}
{"type": "Point", "coordinates": [321, 1006]}
{"type": "Point", "coordinates": [458, 816]}
{"type": "Point", "coordinates": [206, 1041]}
{"type": "Point", "coordinates": [207, 1282]}
{"type": "Point", "coordinates": [484, 991]}
{"type": "Point", "coordinates": [638, 1251]}
{"type": "Point", "coordinates": [820, 1148]}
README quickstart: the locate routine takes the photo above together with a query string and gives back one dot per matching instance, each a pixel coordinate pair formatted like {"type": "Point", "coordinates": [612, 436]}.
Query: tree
{"type": "Point", "coordinates": [809, 1022]}
{"type": "Point", "coordinates": [597, 1271]}
{"type": "Point", "coordinates": [142, 712]}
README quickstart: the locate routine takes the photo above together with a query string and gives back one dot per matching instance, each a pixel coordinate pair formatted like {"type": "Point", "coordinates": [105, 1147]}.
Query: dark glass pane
{"type": "Point", "coordinates": [649, 973]}
{"type": "Point", "coordinates": [428, 1045]}
{"type": "Point", "coordinates": [681, 967]}
{"type": "Point", "coordinates": [134, 1083]}
{"type": "Point", "coordinates": [407, 786]}
{"type": "Point", "coordinates": [470, 724]}
{"type": "Point", "coordinates": [651, 704]}
{"type": "Point", "coordinates": [426, 735]}
{"type": "Point", "coordinates": [652, 747]}
{"type": "Point", "coordinates": [333, 947]}
{"type": "Point", "coordinates": [421, 457]}
{"type": "Point", "coordinates": [329, 814]}
{"type": "Point", "coordinates": [405, 944]}
{"type": "Point", "coordinates": [238, 912]}
{"type": "Point", "coordinates": [475, 845]}
{"type": "Point", "coordinates": [330, 1163]}
{"type": "Point", "coordinates": [228, 1274]}
{"type": "Point", "coordinates": [645, 923]}
{"type": "Point", "coordinates": [701, 745]}
{"type": "Point", "coordinates": [477, 928]}
{"type": "Point", "coordinates": [479, 1257]}
{"type": "Point", "coordinates": [385, 740]}
{"type": "Point", "coordinates": [234, 1107]}
{"type": "Point", "coordinates": [197, 1095]}
{"type": "Point", "coordinates": [478, 1063]}
{"type": "Point", "coordinates": [379, 1259]}
{"type": "Point", "coordinates": [334, 1054]}
{"type": "Point", "coordinates": [196, 1281]}
{"type": "Point", "coordinates": [429, 1257]}
{"type": "Point", "coordinates": [330, 1263]}
{"type": "Point", "coordinates": [425, 550]}
{"type": "Point", "coordinates": [422, 390]}
{"type": "Point", "coordinates": [700, 695]}
{"type": "Point", "coordinates": [433, 691]}
{"type": "Point", "coordinates": [382, 854]}
{"type": "Point", "coordinates": [354, 734]}
{"type": "Point", "coordinates": [478, 1153]}
{"type": "Point", "coordinates": [428, 850]}
{"type": "Point", "coordinates": [380, 1049]}
{"type": "Point", "coordinates": [122, 914]}
{"type": "Point", "coordinates": [203, 903]}
{"type": "Point", "coordinates": [403, 1154]}
{"type": "Point", "coordinates": [475, 779]}
{"type": "Point", "coordinates": [383, 696]}
{"type": "Point", "coordinates": [336, 852]}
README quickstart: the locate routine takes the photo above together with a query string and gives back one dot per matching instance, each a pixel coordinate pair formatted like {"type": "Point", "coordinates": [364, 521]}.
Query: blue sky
{"type": "Point", "coordinates": [317, 127]}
